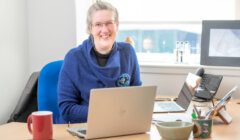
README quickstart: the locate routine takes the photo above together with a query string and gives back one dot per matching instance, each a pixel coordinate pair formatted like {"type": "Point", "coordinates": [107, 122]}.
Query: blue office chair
{"type": "Point", "coordinates": [47, 89]}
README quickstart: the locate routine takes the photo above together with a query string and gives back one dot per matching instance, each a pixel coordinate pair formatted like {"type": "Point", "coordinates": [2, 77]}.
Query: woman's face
{"type": "Point", "coordinates": [104, 30]}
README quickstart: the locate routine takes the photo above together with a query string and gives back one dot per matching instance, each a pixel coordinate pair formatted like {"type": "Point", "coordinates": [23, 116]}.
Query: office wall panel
{"type": "Point", "coordinates": [14, 68]}
{"type": "Point", "coordinates": [52, 30]}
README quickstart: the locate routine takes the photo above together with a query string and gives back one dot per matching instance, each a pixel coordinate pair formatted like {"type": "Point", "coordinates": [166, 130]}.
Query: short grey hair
{"type": "Point", "coordinates": [97, 6]}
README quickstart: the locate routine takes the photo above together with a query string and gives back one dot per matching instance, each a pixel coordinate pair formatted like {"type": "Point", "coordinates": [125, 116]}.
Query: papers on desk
{"type": "Point", "coordinates": [172, 117]}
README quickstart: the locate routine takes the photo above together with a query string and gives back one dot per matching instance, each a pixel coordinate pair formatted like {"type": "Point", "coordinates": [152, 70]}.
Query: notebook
{"type": "Point", "coordinates": [184, 97]}
{"type": "Point", "coordinates": [118, 111]}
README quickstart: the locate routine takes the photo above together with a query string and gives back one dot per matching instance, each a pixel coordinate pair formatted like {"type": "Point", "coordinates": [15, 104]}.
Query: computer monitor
{"type": "Point", "coordinates": [220, 43]}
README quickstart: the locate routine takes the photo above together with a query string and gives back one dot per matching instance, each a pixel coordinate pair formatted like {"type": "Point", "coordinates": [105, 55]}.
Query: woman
{"type": "Point", "coordinates": [99, 62]}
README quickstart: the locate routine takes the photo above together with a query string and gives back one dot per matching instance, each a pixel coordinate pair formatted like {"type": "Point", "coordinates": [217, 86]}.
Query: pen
{"type": "Point", "coordinates": [195, 109]}
{"type": "Point", "coordinates": [209, 114]}
{"type": "Point", "coordinates": [194, 116]}
{"type": "Point", "coordinates": [200, 114]}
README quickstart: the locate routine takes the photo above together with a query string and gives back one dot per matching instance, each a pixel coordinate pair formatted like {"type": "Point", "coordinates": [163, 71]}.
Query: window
{"type": "Point", "coordinates": [158, 26]}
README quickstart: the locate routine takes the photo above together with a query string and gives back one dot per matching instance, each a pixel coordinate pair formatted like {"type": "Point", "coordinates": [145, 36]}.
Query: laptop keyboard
{"type": "Point", "coordinates": [166, 106]}
{"type": "Point", "coordinates": [82, 131]}
{"type": "Point", "coordinates": [76, 131]}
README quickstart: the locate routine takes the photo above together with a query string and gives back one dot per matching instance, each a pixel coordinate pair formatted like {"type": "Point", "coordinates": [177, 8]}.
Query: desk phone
{"type": "Point", "coordinates": [208, 86]}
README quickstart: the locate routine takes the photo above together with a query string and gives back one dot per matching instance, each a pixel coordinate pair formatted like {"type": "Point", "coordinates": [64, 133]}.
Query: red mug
{"type": "Point", "coordinates": [40, 125]}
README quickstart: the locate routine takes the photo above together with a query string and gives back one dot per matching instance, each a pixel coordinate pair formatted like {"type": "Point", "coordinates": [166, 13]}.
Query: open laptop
{"type": "Point", "coordinates": [182, 101]}
{"type": "Point", "coordinates": [118, 111]}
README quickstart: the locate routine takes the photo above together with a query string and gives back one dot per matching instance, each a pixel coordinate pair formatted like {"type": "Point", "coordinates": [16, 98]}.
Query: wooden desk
{"type": "Point", "coordinates": [221, 131]}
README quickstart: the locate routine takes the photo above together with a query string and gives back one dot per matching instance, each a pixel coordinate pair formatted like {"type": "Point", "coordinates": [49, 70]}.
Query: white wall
{"type": "Point", "coordinates": [237, 4]}
{"type": "Point", "coordinates": [13, 54]}
{"type": "Point", "coordinates": [32, 33]}
{"type": "Point", "coordinates": [81, 16]}
{"type": "Point", "coordinates": [52, 30]}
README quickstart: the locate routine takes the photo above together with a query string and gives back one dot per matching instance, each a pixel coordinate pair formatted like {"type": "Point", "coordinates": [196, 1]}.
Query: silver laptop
{"type": "Point", "coordinates": [118, 111]}
{"type": "Point", "coordinates": [180, 105]}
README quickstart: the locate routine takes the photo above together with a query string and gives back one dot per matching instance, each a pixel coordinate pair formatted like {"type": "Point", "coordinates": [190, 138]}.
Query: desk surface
{"type": "Point", "coordinates": [221, 131]}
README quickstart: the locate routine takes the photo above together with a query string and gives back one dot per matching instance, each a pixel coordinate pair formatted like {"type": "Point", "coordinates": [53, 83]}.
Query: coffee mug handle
{"type": "Point", "coordinates": [29, 122]}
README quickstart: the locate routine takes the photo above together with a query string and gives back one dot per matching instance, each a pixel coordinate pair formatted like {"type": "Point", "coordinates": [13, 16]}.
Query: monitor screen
{"type": "Point", "coordinates": [220, 43]}
{"type": "Point", "coordinates": [224, 43]}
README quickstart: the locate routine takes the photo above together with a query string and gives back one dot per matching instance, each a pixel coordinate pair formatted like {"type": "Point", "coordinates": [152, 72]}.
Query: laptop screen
{"type": "Point", "coordinates": [185, 96]}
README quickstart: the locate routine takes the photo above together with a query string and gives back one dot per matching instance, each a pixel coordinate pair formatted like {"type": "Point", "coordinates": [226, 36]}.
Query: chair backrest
{"type": "Point", "coordinates": [47, 89]}
{"type": "Point", "coordinates": [28, 100]}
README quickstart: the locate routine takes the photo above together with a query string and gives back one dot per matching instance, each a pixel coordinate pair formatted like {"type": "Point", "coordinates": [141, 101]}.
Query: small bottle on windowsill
{"type": "Point", "coordinates": [176, 52]}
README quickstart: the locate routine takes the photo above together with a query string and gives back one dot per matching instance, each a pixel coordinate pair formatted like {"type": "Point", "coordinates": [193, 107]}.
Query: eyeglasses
{"type": "Point", "coordinates": [99, 25]}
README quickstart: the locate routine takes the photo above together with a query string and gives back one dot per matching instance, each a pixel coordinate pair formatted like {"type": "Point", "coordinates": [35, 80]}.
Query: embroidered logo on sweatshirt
{"type": "Point", "coordinates": [123, 80]}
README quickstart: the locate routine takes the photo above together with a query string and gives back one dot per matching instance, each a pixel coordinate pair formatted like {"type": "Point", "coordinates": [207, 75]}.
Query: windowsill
{"type": "Point", "coordinates": [168, 59]}
{"type": "Point", "coordinates": [170, 68]}
{"type": "Point", "coordinates": [159, 64]}
{"type": "Point", "coordinates": [169, 65]}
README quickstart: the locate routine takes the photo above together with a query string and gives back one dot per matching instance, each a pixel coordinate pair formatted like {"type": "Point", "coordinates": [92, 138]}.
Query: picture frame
{"type": "Point", "coordinates": [220, 43]}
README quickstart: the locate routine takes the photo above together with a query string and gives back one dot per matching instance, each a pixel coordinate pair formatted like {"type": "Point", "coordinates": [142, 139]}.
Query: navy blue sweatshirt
{"type": "Point", "coordinates": [80, 73]}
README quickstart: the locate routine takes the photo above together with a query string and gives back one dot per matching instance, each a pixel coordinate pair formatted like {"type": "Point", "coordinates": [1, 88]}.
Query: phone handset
{"type": "Point", "coordinates": [200, 71]}
{"type": "Point", "coordinates": [204, 86]}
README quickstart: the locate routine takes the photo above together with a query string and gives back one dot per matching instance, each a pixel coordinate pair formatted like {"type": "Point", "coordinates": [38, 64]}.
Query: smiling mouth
{"type": "Point", "coordinates": [105, 36]}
